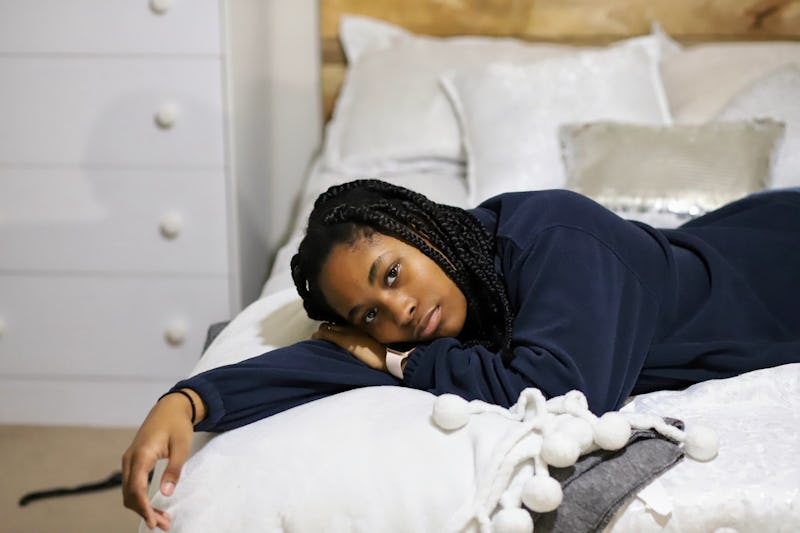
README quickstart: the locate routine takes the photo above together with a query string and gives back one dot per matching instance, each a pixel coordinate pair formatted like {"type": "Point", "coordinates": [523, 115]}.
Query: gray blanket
{"type": "Point", "coordinates": [602, 482]}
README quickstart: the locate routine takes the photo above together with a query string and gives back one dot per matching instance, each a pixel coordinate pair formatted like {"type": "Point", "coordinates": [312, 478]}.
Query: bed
{"type": "Point", "coordinates": [636, 104]}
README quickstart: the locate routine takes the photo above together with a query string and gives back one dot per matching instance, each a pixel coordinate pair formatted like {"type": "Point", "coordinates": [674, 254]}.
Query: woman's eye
{"type": "Point", "coordinates": [391, 276]}
{"type": "Point", "coordinates": [370, 315]}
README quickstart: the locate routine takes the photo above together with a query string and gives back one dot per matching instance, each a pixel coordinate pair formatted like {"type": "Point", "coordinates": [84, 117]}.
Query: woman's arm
{"type": "Point", "coordinates": [241, 393]}
{"type": "Point", "coordinates": [585, 319]}
{"type": "Point", "coordinates": [588, 304]}
{"type": "Point", "coordinates": [231, 396]}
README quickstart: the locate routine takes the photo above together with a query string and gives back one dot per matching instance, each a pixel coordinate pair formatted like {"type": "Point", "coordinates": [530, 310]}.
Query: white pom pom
{"type": "Point", "coordinates": [512, 520]}
{"type": "Point", "coordinates": [575, 399]}
{"type": "Point", "coordinates": [559, 449]}
{"type": "Point", "coordinates": [542, 494]}
{"type": "Point", "coordinates": [612, 431]}
{"type": "Point", "coordinates": [701, 443]}
{"type": "Point", "coordinates": [580, 430]}
{"type": "Point", "coordinates": [450, 411]}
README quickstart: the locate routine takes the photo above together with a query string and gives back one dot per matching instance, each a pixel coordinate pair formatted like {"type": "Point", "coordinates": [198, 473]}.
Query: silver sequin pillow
{"type": "Point", "coordinates": [684, 170]}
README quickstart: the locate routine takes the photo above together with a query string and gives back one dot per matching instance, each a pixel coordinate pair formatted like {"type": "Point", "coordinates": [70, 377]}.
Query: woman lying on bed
{"type": "Point", "coordinates": [540, 289]}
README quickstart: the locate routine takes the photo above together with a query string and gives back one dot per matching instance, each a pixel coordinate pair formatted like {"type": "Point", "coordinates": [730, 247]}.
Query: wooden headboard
{"type": "Point", "coordinates": [583, 22]}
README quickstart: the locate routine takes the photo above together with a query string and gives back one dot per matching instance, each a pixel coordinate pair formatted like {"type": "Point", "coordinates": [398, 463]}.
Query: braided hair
{"type": "Point", "coordinates": [452, 237]}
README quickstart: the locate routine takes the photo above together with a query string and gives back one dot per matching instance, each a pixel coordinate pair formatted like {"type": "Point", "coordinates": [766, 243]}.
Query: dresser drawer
{"type": "Point", "coordinates": [78, 402]}
{"type": "Point", "coordinates": [114, 27]}
{"type": "Point", "coordinates": [60, 326]}
{"type": "Point", "coordinates": [103, 111]}
{"type": "Point", "coordinates": [124, 221]}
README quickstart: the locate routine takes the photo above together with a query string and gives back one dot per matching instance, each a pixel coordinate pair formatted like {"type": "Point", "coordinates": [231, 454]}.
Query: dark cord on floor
{"type": "Point", "coordinates": [114, 480]}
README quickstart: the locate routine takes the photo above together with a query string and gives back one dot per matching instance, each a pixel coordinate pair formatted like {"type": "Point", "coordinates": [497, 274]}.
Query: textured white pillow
{"type": "Point", "coordinates": [444, 184]}
{"type": "Point", "coordinates": [368, 460]}
{"type": "Point", "coordinates": [510, 113]}
{"type": "Point", "coordinates": [391, 114]}
{"type": "Point", "coordinates": [776, 96]}
{"type": "Point", "coordinates": [702, 79]}
{"type": "Point", "coordinates": [685, 170]}
{"type": "Point", "coordinates": [396, 460]}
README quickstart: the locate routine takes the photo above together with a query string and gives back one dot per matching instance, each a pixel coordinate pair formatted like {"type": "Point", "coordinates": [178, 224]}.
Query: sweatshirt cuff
{"type": "Point", "coordinates": [412, 365]}
{"type": "Point", "coordinates": [212, 401]}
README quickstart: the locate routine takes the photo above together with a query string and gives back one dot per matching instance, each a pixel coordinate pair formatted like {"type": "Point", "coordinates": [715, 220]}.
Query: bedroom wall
{"type": "Point", "coordinates": [273, 90]}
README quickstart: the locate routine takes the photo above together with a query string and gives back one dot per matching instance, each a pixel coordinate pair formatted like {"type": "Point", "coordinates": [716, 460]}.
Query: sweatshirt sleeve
{"type": "Point", "coordinates": [585, 320]}
{"type": "Point", "coordinates": [241, 393]}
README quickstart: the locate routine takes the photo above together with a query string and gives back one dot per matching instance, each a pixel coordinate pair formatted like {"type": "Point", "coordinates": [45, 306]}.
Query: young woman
{"type": "Point", "coordinates": [541, 289]}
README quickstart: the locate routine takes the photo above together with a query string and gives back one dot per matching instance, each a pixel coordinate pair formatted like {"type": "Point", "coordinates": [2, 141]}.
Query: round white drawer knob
{"type": "Point", "coordinates": [175, 334]}
{"type": "Point", "coordinates": [171, 225]}
{"type": "Point", "coordinates": [160, 6]}
{"type": "Point", "coordinates": [166, 116]}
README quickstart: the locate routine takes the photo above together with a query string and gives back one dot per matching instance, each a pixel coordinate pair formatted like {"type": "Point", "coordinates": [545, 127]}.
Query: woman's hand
{"type": "Point", "coordinates": [365, 348]}
{"type": "Point", "coordinates": [166, 433]}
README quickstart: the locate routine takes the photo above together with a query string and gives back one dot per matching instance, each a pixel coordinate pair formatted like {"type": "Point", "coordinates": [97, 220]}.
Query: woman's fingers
{"type": "Point", "coordinates": [178, 451]}
{"type": "Point", "coordinates": [327, 332]}
{"type": "Point", "coordinates": [361, 345]}
{"type": "Point", "coordinates": [163, 520]}
{"type": "Point", "coordinates": [165, 434]}
{"type": "Point", "coordinates": [134, 486]}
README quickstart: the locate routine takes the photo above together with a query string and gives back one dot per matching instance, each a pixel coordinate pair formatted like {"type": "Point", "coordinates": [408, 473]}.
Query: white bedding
{"type": "Point", "coordinates": [754, 483]}
{"type": "Point", "coordinates": [370, 460]}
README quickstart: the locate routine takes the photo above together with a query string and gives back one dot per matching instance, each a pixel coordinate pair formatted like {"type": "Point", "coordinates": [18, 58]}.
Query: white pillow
{"type": "Point", "coordinates": [510, 113]}
{"type": "Point", "coordinates": [777, 96]}
{"type": "Point", "coordinates": [309, 470]}
{"type": "Point", "coordinates": [391, 114]}
{"type": "Point", "coordinates": [702, 79]}
{"type": "Point", "coordinates": [377, 459]}
{"type": "Point", "coordinates": [444, 185]}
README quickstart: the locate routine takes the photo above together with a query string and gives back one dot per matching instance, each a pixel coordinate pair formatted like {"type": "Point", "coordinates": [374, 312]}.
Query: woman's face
{"type": "Point", "coordinates": [392, 291]}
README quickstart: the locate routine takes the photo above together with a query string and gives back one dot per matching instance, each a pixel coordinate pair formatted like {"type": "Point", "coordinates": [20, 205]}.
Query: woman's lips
{"type": "Point", "coordinates": [430, 322]}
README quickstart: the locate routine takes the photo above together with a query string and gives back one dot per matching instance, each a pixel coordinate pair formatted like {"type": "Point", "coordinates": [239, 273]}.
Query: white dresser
{"type": "Point", "coordinates": [116, 227]}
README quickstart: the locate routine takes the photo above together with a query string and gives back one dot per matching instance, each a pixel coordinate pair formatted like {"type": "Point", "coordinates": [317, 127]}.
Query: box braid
{"type": "Point", "coordinates": [453, 238]}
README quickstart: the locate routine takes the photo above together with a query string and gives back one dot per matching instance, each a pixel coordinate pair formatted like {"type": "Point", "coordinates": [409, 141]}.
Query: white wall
{"type": "Point", "coordinates": [272, 53]}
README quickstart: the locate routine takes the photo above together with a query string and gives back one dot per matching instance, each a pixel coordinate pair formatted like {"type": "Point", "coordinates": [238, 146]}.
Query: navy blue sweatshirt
{"type": "Point", "coordinates": [603, 305]}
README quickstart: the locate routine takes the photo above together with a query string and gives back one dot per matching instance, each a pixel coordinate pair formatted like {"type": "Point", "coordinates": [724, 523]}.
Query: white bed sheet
{"type": "Point", "coordinates": [753, 485]}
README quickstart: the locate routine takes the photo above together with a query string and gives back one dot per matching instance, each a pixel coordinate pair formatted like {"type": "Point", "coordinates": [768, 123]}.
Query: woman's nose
{"type": "Point", "coordinates": [402, 309]}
